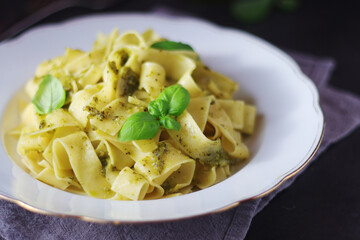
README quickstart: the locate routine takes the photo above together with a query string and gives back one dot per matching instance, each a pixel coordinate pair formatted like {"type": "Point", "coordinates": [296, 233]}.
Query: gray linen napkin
{"type": "Point", "coordinates": [342, 115]}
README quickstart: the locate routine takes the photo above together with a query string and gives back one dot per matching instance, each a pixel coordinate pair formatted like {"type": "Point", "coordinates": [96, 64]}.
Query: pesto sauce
{"type": "Point", "coordinates": [93, 112]}
{"type": "Point", "coordinates": [124, 57]}
{"type": "Point", "coordinates": [131, 79]}
{"type": "Point", "coordinates": [42, 124]}
{"type": "Point", "coordinates": [112, 66]}
{"type": "Point", "coordinates": [215, 158]}
{"type": "Point", "coordinates": [167, 187]}
{"type": "Point", "coordinates": [104, 159]}
{"type": "Point", "coordinates": [159, 153]}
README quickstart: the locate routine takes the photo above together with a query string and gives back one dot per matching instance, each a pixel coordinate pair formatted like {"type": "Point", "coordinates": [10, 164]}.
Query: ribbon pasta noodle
{"type": "Point", "coordinates": [75, 148]}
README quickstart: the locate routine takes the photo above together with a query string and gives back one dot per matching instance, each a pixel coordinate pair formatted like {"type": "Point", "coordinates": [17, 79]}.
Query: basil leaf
{"type": "Point", "coordinates": [177, 97]}
{"type": "Point", "coordinates": [169, 123]}
{"type": "Point", "coordinates": [171, 46]}
{"type": "Point", "coordinates": [288, 5]}
{"type": "Point", "coordinates": [158, 108]}
{"type": "Point", "coordinates": [139, 126]}
{"type": "Point", "coordinates": [250, 11]}
{"type": "Point", "coordinates": [49, 96]}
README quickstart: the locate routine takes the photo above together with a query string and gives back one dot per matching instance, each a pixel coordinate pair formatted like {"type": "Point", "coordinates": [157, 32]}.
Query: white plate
{"type": "Point", "coordinates": [288, 132]}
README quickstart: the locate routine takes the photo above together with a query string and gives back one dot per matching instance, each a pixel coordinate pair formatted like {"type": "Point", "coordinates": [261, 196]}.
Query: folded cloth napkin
{"type": "Point", "coordinates": [342, 115]}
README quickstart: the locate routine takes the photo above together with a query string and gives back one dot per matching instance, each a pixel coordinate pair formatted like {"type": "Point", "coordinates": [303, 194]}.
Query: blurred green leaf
{"type": "Point", "coordinates": [250, 11]}
{"type": "Point", "coordinates": [287, 5]}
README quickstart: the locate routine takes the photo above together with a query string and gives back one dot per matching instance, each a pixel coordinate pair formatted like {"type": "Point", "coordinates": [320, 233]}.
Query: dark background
{"type": "Point", "coordinates": [324, 202]}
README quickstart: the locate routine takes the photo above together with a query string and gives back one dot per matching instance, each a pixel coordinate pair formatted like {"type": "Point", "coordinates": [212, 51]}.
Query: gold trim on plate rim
{"type": "Point", "coordinates": [287, 177]}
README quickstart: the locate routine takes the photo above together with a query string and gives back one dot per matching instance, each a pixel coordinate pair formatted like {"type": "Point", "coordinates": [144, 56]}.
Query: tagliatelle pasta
{"type": "Point", "coordinates": [75, 147]}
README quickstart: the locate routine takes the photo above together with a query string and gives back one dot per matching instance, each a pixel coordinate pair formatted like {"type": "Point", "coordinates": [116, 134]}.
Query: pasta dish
{"type": "Point", "coordinates": [137, 117]}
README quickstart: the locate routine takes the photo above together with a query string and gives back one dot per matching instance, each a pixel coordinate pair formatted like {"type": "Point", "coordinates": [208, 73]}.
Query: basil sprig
{"type": "Point", "coordinates": [144, 125]}
{"type": "Point", "coordinates": [171, 46]}
{"type": "Point", "coordinates": [49, 96]}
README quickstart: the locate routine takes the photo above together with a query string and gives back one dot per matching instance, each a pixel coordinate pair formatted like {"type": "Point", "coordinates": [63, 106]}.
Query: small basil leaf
{"type": "Point", "coordinates": [139, 126]}
{"type": "Point", "coordinates": [177, 97]}
{"type": "Point", "coordinates": [158, 108]}
{"type": "Point", "coordinates": [250, 11]}
{"type": "Point", "coordinates": [288, 5]}
{"type": "Point", "coordinates": [169, 123]}
{"type": "Point", "coordinates": [171, 46]}
{"type": "Point", "coordinates": [49, 96]}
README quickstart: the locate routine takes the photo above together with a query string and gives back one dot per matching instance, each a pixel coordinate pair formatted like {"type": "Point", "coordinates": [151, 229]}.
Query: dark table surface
{"type": "Point", "coordinates": [324, 202]}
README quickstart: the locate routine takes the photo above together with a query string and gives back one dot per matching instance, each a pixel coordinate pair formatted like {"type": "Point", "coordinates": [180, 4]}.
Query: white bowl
{"type": "Point", "coordinates": [289, 123]}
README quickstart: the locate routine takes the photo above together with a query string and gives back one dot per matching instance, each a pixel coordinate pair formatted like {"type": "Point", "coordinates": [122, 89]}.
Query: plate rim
{"type": "Point", "coordinates": [269, 46]}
